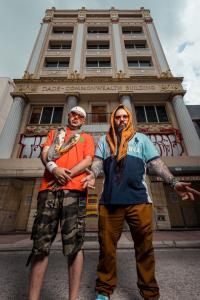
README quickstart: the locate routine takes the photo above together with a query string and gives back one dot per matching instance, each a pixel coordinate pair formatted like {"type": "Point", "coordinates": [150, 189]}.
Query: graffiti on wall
{"type": "Point", "coordinates": [166, 143]}
{"type": "Point", "coordinates": [31, 146]}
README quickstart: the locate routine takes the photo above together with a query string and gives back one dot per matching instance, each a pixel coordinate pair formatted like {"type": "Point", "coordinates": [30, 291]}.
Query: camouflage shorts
{"type": "Point", "coordinates": [65, 207]}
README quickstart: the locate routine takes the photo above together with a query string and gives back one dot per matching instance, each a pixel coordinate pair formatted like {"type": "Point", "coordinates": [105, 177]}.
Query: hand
{"type": "Point", "coordinates": [89, 180]}
{"type": "Point", "coordinates": [62, 175]}
{"type": "Point", "coordinates": [184, 190]}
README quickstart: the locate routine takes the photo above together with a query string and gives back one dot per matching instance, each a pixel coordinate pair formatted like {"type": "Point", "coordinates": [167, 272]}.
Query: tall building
{"type": "Point", "coordinates": [6, 100]}
{"type": "Point", "coordinates": [98, 59]}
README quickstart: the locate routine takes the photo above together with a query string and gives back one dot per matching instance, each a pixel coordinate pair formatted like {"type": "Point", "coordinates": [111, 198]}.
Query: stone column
{"type": "Point", "coordinates": [117, 42]}
{"type": "Point", "coordinates": [190, 136]}
{"type": "Point", "coordinates": [32, 65]}
{"type": "Point", "coordinates": [157, 46]}
{"type": "Point", "coordinates": [79, 42]}
{"type": "Point", "coordinates": [22, 128]}
{"type": "Point", "coordinates": [126, 100]}
{"type": "Point", "coordinates": [11, 127]}
{"type": "Point", "coordinates": [71, 101]}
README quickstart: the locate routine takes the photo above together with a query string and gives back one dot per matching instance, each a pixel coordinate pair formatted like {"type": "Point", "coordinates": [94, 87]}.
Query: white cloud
{"type": "Point", "coordinates": [187, 61]}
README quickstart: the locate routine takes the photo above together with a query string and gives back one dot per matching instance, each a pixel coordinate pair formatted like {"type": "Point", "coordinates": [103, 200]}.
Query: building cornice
{"type": "Point", "coordinates": [100, 80]}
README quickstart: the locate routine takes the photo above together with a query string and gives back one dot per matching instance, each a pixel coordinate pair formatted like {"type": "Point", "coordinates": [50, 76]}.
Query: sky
{"type": "Point", "coordinates": [177, 23]}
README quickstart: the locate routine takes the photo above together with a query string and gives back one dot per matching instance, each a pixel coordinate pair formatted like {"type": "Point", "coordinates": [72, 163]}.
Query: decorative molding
{"type": "Point", "coordinates": [74, 75]}
{"type": "Point", "coordinates": [166, 74]}
{"type": "Point", "coordinates": [114, 15]}
{"type": "Point", "coordinates": [20, 95]}
{"type": "Point", "coordinates": [32, 130]}
{"type": "Point", "coordinates": [143, 79]}
{"type": "Point", "coordinates": [27, 75]}
{"type": "Point", "coordinates": [120, 74]}
{"type": "Point", "coordinates": [49, 15]}
{"type": "Point", "coordinates": [77, 95]}
{"type": "Point", "coordinates": [82, 15]}
{"type": "Point", "coordinates": [147, 17]}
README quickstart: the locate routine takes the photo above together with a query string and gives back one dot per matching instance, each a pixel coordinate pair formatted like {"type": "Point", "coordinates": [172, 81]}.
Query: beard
{"type": "Point", "coordinates": [119, 128]}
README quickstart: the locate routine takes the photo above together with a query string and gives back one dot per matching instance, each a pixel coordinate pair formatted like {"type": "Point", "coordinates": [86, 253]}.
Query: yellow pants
{"type": "Point", "coordinates": [139, 219]}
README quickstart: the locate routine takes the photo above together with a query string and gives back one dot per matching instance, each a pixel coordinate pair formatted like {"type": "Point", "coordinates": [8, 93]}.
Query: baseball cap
{"type": "Point", "coordinates": [79, 110]}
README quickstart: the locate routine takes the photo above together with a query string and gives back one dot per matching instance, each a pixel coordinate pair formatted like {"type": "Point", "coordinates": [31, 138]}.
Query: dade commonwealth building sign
{"type": "Point", "coordinates": [38, 88]}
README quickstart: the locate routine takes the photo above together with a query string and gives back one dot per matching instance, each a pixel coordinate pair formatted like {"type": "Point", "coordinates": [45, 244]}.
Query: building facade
{"type": "Point", "coordinates": [194, 111]}
{"type": "Point", "coordinates": [98, 59]}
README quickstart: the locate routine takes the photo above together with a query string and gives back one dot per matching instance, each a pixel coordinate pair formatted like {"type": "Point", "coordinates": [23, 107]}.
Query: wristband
{"type": "Point", "coordinates": [50, 166]}
{"type": "Point", "coordinates": [173, 182]}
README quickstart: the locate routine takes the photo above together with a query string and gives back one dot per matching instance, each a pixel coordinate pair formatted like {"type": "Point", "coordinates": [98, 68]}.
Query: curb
{"type": "Point", "coordinates": [95, 246]}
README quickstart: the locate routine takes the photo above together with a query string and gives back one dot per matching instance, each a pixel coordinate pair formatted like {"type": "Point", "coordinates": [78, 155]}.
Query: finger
{"type": "Point", "coordinates": [186, 183]}
{"type": "Point", "coordinates": [184, 197]}
{"type": "Point", "coordinates": [193, 190]}
{"type": "Point", "coordinates": [85, 185]}
{"type": "Point", "coordinates": [62, 180]}
{"type": "Point", "coordinates": [50, 183]}
{"type": "Point", "coordinates": [88, 171]}
{"type": "Point", "coordinates": [91, 187]}
{"type": "Point", "coordinates": [191, 196]}
{"type": "Point", "coordinates": [84, 180]}
{"type": "Point", "coordinates": [67, 171]}
{"type": "Point", "coordinates": [66, 176]}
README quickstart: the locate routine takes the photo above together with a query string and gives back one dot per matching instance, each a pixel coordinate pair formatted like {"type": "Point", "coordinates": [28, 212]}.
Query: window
{"type": "Point", "coordinates": [63, 30]}
{"type": "Point", "coordinates": [56, 63]}
{"type": "Point", "coordinates": [65, 15]}
{"type": "Point", "coordinates": [46, 115]}
{"type": "Point", "coordinates": [98, 30]}
{"type": "Point", "coordinates": [151, 113]}
{"type": "Point", "coordinates": [97, 45]}
{"type": "Point", "coordinates": [132, 30]}
{"type": "Point", "coordinates": [98, 63]}
{"type": "Point", "coordinates": [139, 63]}
{"type": "Point", "coordinates": [131, 16]}
{"type": "Point", "coordinates": [135, 44]}
{"type": "Point", "coordinates": [54, 45]}
{"type": "Point", "coordinates": [99, 114]}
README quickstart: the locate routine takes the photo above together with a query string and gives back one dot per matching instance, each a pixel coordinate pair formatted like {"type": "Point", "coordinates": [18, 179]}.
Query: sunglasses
{"type": "Point", "coordinates": [125, 117]}
{"type": "Point", "coordinates": [76, 115]}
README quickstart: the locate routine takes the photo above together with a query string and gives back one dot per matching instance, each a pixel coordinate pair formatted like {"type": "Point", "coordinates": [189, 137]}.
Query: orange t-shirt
{"type": "Point", "coordinates": [84, 147]}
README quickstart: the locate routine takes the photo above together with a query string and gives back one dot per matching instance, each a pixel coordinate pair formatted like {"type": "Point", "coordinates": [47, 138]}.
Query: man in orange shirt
{"type": "Point", "coordinates": [66, 154]}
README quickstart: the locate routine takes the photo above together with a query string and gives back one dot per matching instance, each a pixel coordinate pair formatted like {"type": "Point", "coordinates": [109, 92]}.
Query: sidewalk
{"type": "Point", "coordinates": [162, 239]}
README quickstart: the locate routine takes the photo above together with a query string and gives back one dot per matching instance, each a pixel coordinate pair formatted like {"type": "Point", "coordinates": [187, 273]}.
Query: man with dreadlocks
{"type": "Point", "coordinates": [66, 154]}
{"type": "Point", "coordinates": [123, 155]}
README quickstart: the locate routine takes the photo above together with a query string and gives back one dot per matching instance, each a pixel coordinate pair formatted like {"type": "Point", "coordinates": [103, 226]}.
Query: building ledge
{"type": "Point", "coordinates": [183, 165]}
{"type": "Point", "coordinates": [21, 167]}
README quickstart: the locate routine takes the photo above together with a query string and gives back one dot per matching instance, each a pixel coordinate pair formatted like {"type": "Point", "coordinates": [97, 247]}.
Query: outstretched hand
{"type": "Point", "coordinates": [184, 190]}
{"type": "Point", "coordinates": [89, 180]}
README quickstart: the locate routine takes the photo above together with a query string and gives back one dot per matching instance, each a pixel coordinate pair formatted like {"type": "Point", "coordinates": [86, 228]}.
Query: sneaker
{"type": "Point", "coordinates": [102, 297]}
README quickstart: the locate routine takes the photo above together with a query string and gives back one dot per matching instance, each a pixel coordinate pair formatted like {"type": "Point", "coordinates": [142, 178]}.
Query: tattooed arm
{"type": "Point", "coordinates": [97, 166]}
{"type": "Point", "coordinates": [183, 189]}
{"type": "Point", "coordinates": [96, 169]}
{"type": "Point", "coordinates": [158, 167]}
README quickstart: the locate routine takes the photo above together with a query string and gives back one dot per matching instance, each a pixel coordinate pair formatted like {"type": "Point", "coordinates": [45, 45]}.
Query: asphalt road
{"type": "Point", "coordinates": [178, 272]}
